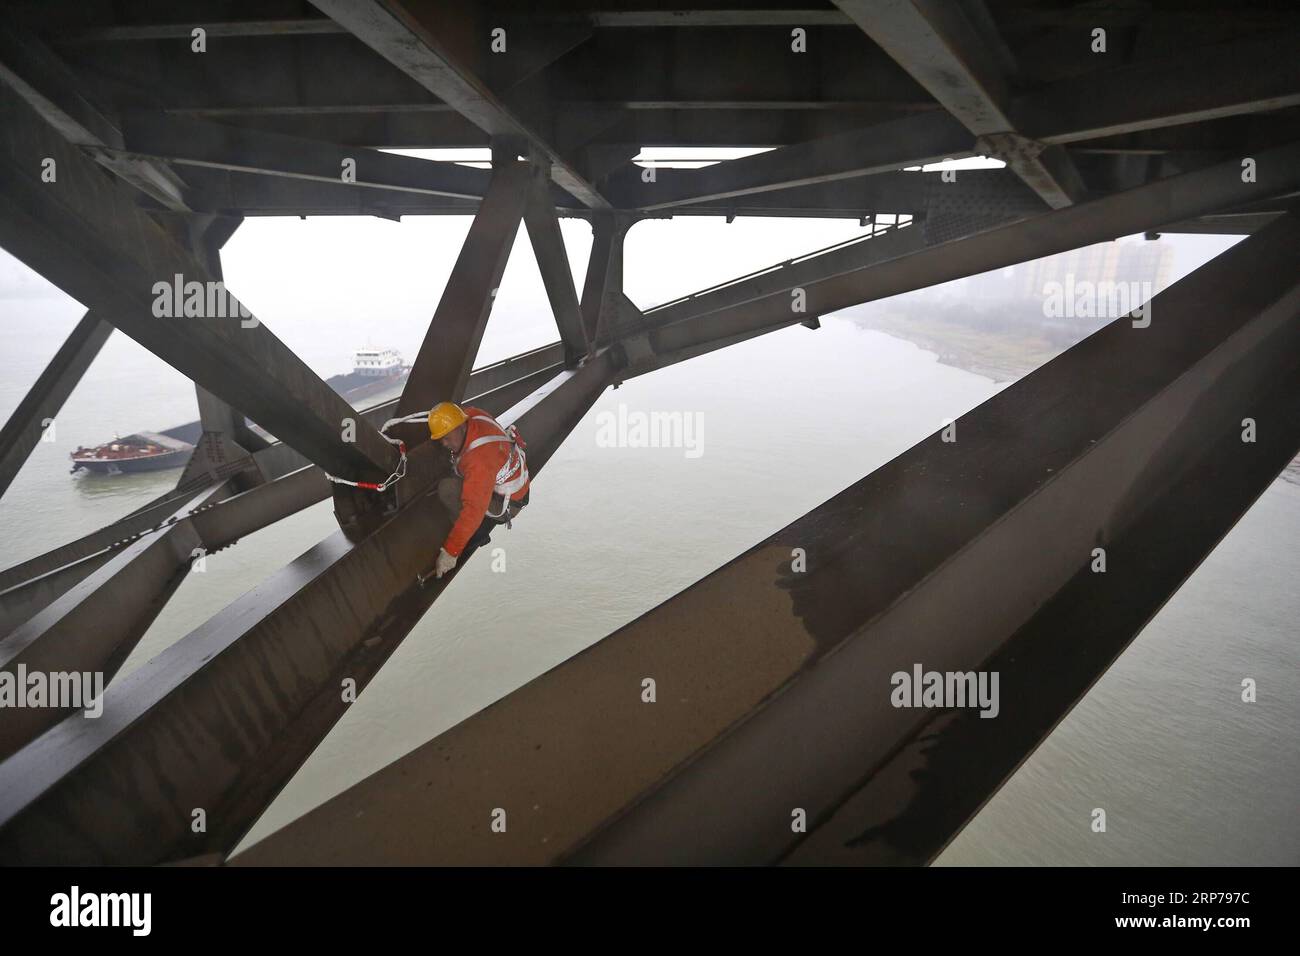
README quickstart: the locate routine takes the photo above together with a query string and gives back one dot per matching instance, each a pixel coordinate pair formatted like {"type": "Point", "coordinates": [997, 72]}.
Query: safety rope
{"type": "Point", "coordinates": [400, 472]}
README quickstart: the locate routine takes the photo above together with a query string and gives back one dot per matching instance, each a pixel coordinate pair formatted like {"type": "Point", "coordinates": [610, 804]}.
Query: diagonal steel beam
{"type": "Point", "coordinates": [415, 39]}
{"type": "Point", "coordinates": [185, 141]}
{"type": "Point", "coordinates": [224, 438]}
{"type": "Point", "coordinates": [120, 33]}
{"type": "Point", "coordinates": [47, 84]}
{"type": "Point", "coordinates": [901, 816]}
{"type": "Point", "coordinates": [257, 195]}
{"type": "Point", "coordinates": [84, 232]}
{"type": "Point", "coordinates": [23, 430]}
{"type": "Point", "coordinates": [34, 593]}
{"type": "Point", "coordinates": [639, 357]}
{"type": "Point", "coordinates": [101, 542]}
{"type": "Point", "coordinates": [252, 194]}
{"type": "Point", "coordinates": [1230, 79]}
{"type": "Point", "coordinates": [96, 623]}
{"type": "Point", "coordinates": [537, 44]}
{"type": "Point", "coordinates": [879, 245]}
{"type": "Point", "coordinates": [913, 141]}
{"type": "Point", "coordinates": [943, 50]}
{"type": "Point", "coordinates": [649, 16]}
{"type": "Point", "coordinates": [891, 192]}
{"type": "Point", "coordinates": [553, 263]}
{"type": "Point", "coordinates": [442, 367]}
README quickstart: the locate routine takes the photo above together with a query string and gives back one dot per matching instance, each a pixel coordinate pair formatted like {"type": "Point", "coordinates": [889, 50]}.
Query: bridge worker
{"type": "Point", "coordinates": [490, 485]}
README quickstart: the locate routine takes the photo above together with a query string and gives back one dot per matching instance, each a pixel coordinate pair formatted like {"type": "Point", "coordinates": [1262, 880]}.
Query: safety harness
{"type": "Point", "coordinates": [400, 471]}
{"type": "Point", "coordinates": [513, 475]}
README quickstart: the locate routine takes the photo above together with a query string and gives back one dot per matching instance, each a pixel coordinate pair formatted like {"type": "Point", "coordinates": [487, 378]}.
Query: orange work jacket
{"type": "Point", "coordinates": [485, 463]}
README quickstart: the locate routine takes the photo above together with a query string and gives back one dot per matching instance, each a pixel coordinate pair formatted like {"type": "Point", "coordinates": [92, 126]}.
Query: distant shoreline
{"type": "Point", "coordinates": [1002, 358]}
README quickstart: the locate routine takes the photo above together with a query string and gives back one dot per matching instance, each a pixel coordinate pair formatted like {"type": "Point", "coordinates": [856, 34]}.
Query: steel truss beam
{"type": "Point", "coordinates": [943, 49]}
{"type": "Point", "coordinates": [553, 262]}
{"type": "Point", "coordinates": [53, 90]}
{"type": "Point", "coordinates": [792, 16]}
{"type": "Point", "coordinates": [775, 682]}
{"type": "Point", "coordinates": [442, 367]}
{"type": "Point", "coordinates": [96, 623]}
{"type": "Point", "coordinates": [1146, 96]}
{"type": "Point", "coordinates": [418, 45]}
{"type": "Point", "coordinates": [257, 195]}
{"type": "Point", "coordinates": [913, 141]}
{"type": "Point", "coordinates": [83, 232]}
{"type": "Point", "coordinates": [313, 26]}
{"type": "Point", "coordinates": [223, 447]}
{"type": "Point", "coordinates": [46, 396]}
{"type": "Point", "coordinates": [600, 18]}
{"type": "Point", "coordinates": [1054, 658]}
{"type": "Point", "coordinates": [101, 542]}
{"type": "Point", "coordinates": [201, 143]}
{"type": "Point", "coordinates": [1245, 76]}
{"type": "Point", "coordinates": [881, 244]}
{"type": "Point", "coordinates": [853, 198]}
{"type": "Point", "coordinates": [616, 70]}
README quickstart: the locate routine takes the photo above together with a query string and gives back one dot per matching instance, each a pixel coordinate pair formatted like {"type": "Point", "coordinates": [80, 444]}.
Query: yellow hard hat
{"type": "Point", "coordinates": [445, 418]}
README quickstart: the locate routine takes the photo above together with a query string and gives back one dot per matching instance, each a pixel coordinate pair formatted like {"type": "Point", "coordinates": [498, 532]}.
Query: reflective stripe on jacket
{"type": "Point", "coordinates": [489, 461]}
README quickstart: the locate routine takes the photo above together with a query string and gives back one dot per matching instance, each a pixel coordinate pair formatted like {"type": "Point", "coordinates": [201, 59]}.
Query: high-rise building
{"type": "Point", "coordinates": [1137, 261]}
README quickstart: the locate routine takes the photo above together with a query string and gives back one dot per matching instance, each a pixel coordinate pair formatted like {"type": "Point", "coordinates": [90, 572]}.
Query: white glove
{"type": "Point", "coordinates": [444, 563]}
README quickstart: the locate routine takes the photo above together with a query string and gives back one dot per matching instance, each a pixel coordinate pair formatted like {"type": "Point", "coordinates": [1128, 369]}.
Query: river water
{"type": "Point", "coordinates": [1187, 773]}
